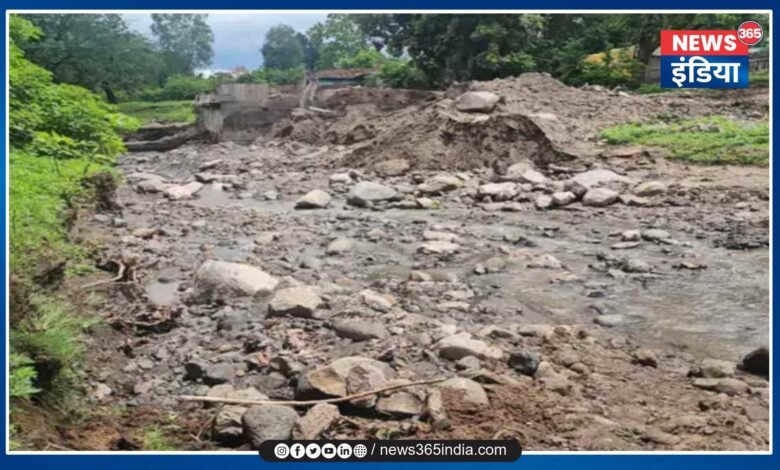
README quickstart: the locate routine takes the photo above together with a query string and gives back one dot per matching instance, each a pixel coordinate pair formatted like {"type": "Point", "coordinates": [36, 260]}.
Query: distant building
{"type": "Point", "coordinates": [344, 77]}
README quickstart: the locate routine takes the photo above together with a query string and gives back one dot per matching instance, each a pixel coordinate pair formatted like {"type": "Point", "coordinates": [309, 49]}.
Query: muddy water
{"type": "Point", "coordinates": [721, 311]}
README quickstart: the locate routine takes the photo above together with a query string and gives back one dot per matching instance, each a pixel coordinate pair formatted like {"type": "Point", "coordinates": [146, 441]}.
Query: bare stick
{"type": "Point", "coordinates": [354, 396]}
{"type": "Point", "coordinates": [118, 277]}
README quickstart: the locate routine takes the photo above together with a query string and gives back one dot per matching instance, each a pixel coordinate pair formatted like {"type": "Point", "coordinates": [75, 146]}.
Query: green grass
{"type": "Point", "coordinates": [710, 140]}
{"type": "Point", "coordinates": [154, 438]}
{"type": "Point", "coordinates": [760, 78]}
{"type": "Point", "coordinates": [161, 111]}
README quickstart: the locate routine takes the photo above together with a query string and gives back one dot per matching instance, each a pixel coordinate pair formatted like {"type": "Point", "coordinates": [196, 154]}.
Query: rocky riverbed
{"type": "Point", "coordinates": [604, 307]}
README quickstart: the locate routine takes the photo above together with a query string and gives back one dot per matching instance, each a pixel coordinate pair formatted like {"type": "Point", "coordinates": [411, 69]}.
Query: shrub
{"type": "Point", "coordinates": [403, 74]}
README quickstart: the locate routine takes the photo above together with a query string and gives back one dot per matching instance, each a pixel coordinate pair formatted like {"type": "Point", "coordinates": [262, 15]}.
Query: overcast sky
{"type": "Point", "coordinates": [238, 37]}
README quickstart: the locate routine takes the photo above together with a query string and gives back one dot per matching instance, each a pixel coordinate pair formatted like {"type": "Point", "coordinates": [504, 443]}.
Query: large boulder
{"type": "Point", "coordinates": [367, 193]}
{"type": "Point", "coordinates": [219, 279]}
{"type": "Point", "coordinates": [471, 392]}
{"type": "Point", "coordinates": [476, 101]}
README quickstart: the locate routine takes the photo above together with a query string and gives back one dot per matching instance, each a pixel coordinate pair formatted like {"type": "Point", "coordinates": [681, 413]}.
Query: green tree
{"type": "Point", "coordinates": [95, 51]}
{"type": "Point", "coordinates": [282, 48]}
{"type": "Point", "coordinates": [186, 41]}
{"type": "Point", "coordinates": [339, 38]}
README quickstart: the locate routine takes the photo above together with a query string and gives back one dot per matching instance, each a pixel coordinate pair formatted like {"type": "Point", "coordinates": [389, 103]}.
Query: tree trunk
{"type": "Point", "coordinates": [110, 96]}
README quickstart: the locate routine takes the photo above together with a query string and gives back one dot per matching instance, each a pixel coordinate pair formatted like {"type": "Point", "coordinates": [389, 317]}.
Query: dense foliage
{"type": "Point", "coordinates": [59, 134]}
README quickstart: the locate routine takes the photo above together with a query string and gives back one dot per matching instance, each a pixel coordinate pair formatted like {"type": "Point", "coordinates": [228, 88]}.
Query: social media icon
{"type": "Point", "coordinates": [360, 451]}
{"type": "Point", "coordinates": [328, 450]}
{"type": "Point", "coordinates": [281, 451]}
{"type": "Point", "coordinates": [344, 451]}
{"type": "Point", "coordinates": [313, 450]}
{"type": "Point", "coordinates": [297, 451]}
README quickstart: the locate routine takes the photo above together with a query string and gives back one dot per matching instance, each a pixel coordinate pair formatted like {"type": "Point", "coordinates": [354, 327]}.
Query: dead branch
{"type": "Point", "coordinates": [118, 277]}
{"type": "Point", "coordinates": [354, 396]}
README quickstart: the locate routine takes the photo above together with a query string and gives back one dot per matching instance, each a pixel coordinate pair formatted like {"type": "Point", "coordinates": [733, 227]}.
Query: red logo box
{"type": "Point", "coordinates": [701, 42]}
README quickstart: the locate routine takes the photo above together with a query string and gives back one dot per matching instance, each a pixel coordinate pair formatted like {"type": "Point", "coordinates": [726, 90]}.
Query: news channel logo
{"type": "Point", "coordinates": [708, 58]}
{"type": "Point", "coordinates": [315, 450]}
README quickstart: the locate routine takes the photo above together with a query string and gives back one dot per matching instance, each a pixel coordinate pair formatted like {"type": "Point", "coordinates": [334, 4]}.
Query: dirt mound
{"type": "Point", "coordinates": [538, 119]}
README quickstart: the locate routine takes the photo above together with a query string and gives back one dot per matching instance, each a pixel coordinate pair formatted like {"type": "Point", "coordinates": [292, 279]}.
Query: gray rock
{"type": "Point", "coordinates": [757, 362]}
{"type": "Point", "coordinates": [185, 191]}
{"type": "Point", "coordinates": [655, 234]}
{"type": "Point", "coordinates": [563, 198]}
{"type": "Point", "coordinates": [714, 369]}
{"type": "Point", "coordinates": [339, 246]}
{"type": "Point", "coordinates": [543, 202]}
{"type": "Point", "coordinates": [366, 193]}
{"type": "Point", "coordinates": [217, 278]}
{"type": "Point", "coordinates": [268, 422]}
{"type": "Point", "coordinates": [599, 197]}
{"type": "Point", "coordinates": [470, 391]}
{"type": "Point", "coordinates": [631, 236]}
{"type": "Point", "coordinates": [316, 199]}
{"type": "Point", "coordinates": [316, 421]}
{"type": "Point", "coordinates": [476, 101]}
{"type": "Point", "coordinates": [216, 374]}
{"type": "Point", "coordinates": [645, 357]}
{"type": "Point", "coordinates": [437, 247]}
{"type": "Point", "coordinates": [610, 320]}
{"type": "Point", "coordinates": [650, 189]}
{"type": "Point", "coordinates": [193, 370]}
{"type": "Point", "coordinates": [497, 191]}
{"type": "Point", "coordinates": [460, 345]}
{"type": "Point", "coordinates": [359, 330]}
{"type": "Point", "coordinates": [394, 167]}
{"type": "Point", "coordinates": [468, 362]}
{"type": "Point", "coordinates": [400, 404]}
{"type": "Point", "coordinates": [524, 362]}
{"type": "Point", "coordinates": [295, 301]}
{"type": "Point", "coordinates": [729, 386]}
{"type": "Point", "coordinates": [599, 176]}
{"type": "Point", "coordinates": [636, 265]}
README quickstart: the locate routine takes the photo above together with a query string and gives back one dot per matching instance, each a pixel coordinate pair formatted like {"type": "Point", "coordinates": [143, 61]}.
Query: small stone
{"type": "Point", "coordinates": [316, 421]}
{"type": "Point", "coordinates": [659, 437]}
{"type": "Point", "coordinates": [650, 189]}
{"type": "Point", "coordinates": [476, 101]}
{"type": "Point", "coordinates": [543, 202]}
{"type": "Point", "coordinates": [295, 301]}
{"type": "Point", "coordinates": [193, 370]}
{"type": "Point", "coordinates": [655, 235]}
{"type": "Point", "coordinates": [524, 362]}
{"type": "Point", "coordinates": [339, 246]}
{"type": "Point", "coordinates": [599, 197]}
{"type": "Point", "coordinates": [220, 278]}
{"type": "Point", "coordinates": [497, 191]}
{"type": "Point", "coordinates": [635, 265]}
{"type": "Point", "coordinates": [563, 198]}
{"type": "Point", "coordinates": [359, 330]}
{"type": "Point", "coordinates": [316, 199]}
{"type": "Point", "coordinates": [460, 345]}
{"type": "Point", "coordinates": [268, 422]}
{"type": "Point", "coordinates": [377, 301]}
{"type": "Point", "coordinates": [366, 193]}
{"type": "Point", "coordinates": [218, 374]}
{"type": "Point", "coordinates": [468, 362]}
{"type": "Point", "coordinates": [438, 248]}
{"type": "Point", "coordinates": [400, 404]}
{"type": "Point", "coordinates": [472, 392]}
{"type": "Point", "coordinates": [545, 261]}
{"type": "Point", "coordinates": [393, 167]}
{"type": "Point", "coordinates": [645, 357]}
{"type": "Point", "coordinates": [728, 386]}
{"type": "Point", "coordinates": [631, 236]}
{"type": "Point", "coordinates": [185, 191]}
{"type": "Point", "coordinates": [436, 410]}
{"type": "Point", "coordinates": [714, 369]}
{"type": "Point", "coordinates": [610, 320]}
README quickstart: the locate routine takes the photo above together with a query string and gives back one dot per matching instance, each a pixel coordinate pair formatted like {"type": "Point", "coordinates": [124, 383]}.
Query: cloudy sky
{"type": "Point", "coordinates": [238, 37]}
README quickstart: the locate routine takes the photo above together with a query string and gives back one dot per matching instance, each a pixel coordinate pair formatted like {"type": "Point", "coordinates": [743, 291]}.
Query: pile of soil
{"type": "Point", "coordinates": [538, 119]}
